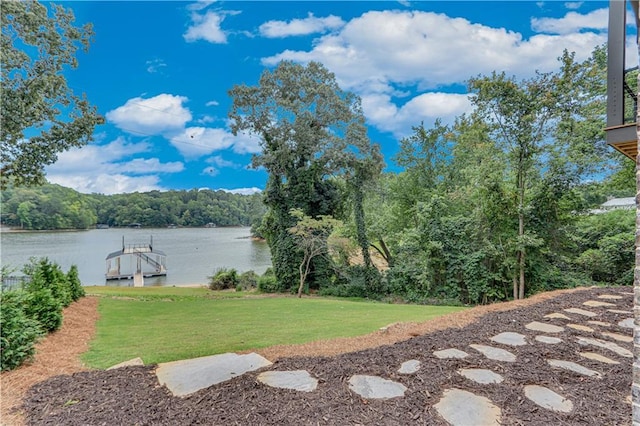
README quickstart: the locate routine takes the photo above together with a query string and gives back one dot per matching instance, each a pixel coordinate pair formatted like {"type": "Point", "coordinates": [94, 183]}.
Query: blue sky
{"type": "Point", "coordinates": [159, 71]}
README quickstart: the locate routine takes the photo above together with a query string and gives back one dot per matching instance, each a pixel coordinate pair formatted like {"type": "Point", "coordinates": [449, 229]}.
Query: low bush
{"type": "Point", "coordinates": [247, 281]}
{"type": "Point", "coordinates": [18, 332]}
{"type": "Point", "coordinates": [73, 284]}
{"type": "Point", "coordinates": [224, 279]}
{"type": "Point", "coordinates": [268, 283]}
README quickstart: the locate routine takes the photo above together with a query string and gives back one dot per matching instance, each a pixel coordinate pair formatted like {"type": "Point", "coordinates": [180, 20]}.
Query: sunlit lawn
{"type": "Point", "coordinates": [169, 323]}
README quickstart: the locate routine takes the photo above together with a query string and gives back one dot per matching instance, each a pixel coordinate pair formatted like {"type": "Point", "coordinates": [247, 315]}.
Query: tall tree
{"type": "Point", "coordinates": [518, 113]}
{"type": "Point", "coordinates": [310, 130]}
{"type": "Point", "coordinates": [41, 115]}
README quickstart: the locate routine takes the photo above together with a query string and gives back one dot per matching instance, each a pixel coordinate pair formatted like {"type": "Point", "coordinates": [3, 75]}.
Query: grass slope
{"type": "Point", "coordinates": [168, 324]}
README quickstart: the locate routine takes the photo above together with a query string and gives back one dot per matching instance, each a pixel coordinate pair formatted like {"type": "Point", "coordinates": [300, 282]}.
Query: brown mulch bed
{"type": "Point", "coordinates": [132, 395]}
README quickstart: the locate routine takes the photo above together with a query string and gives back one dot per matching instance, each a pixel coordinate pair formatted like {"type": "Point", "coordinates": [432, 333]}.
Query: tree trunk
{"type": "Point", "coordinates": [304, 271]}
{"type": "Point", "coordinates": [521, 250]}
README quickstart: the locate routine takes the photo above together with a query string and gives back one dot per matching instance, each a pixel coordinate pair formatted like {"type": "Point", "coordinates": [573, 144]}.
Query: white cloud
{"type": "Point", "coordinates": [242, 191]}
{"type": "Point", "coordinates": [426, 51]}
{"type": "Point", "coordinates": [572, 22]}
{"type": "Point", "coordinates": [217, 160]}
{"type": "Point", "coordinates": [155, 66]}
{"type": "Point", "coordinates": [194, 142]}
{"type": "Point", "coordinates": [296, 27]}
{"type": "Point", "coordinates": [105, 168]}
{"type": "Point", "coordinates": [427, 107]}
{"type": "Point", "coordinates": [151, 116]}
{"type": "Point", "coordinates": [212, 103]}
{"type": "Point", "coordinates": [573, 4]}
{"type": "Point", "coordinates": [206, 27]}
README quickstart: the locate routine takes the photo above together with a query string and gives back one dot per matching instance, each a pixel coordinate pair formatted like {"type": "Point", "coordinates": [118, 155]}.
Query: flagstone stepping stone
{"type": "Point", "coordinates": [628, 323]}
{"type": "Point", "coordinates": [510, 338]}
{"type": "Point", "coordinates": [450, 353]}
{"type": "Point", "coordinates": [600, 323]}
{"type": "Point", "coordinates": [609, 297]}
{"type": "Point", "coordinates": [481, 375]}
{"type": "Point", "coordinates": [548, 339]}
{"type": "Point", "coordinates": [572, 366]}
{"type": "Point", "coordinates": [188, 376]}
{"type": "Point", "coordinates": [299, 380]}
{"type": "Point", "coordinates": [581, 312]}
{"type": "Point", "coordinates": [597, 357]}
{"type": "Point", "coordinates": [618, 311]}
{"type": "Point", "coordinates": [619, 337]}
{"type": "Point", "coordinates": [463, 408]}
{"type": "Point", "coordinates": [581, 327]}
{"type": "Point", "coordinates": [409, 367]}
{"type": "Point", "coordinates": [546, 398]}
{"type": "Point", "coordinates": [496, 354]}
{"type": "Point", "coordinates": [587, 341]}
{"type": "Point", "coordinates": [375, 387]}
{"type": "Point", "coordinates": [545, 328]}
{"type": "Point", "coordinates": [129, 363]}
{"type": "Point", "coordinates": [558, 315]}
{"type": "Point", "coordinates": [596, 303]}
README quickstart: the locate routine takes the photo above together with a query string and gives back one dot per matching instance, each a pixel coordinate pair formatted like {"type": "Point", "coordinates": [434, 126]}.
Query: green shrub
{"type": "Point", "coordinates": [247, 281]}
{"type": "Point", "coordinates": [73, 284]}
{"type": "Point", "coordinates": [18, 332]}
{"type": "Point", "coordinates": [47, 275]}
{"type": "Point", "coordinates": [41, 306]}
{"type": "Point", "coordinates": [269, 284]}
{"type": "Point", "coordinates": [223, 279]}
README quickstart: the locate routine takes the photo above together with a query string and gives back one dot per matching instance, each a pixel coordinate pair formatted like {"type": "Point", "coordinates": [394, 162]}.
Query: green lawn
{"type": "Point", "coordinates": [170, 323]}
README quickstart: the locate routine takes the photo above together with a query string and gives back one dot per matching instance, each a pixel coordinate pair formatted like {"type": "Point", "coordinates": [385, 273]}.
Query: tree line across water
{"type": "Point", "coordinates": [50, 207]}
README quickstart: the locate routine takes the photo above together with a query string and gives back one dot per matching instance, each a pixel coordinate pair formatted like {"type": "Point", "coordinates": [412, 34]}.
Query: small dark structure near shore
{"type": "Point", "coordinates": [136, 261]}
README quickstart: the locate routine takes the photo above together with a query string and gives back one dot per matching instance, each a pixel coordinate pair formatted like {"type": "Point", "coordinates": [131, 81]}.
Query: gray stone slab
{"type": "Point", "coordinates": [572, 366]}
{"type": "Point", "coordinates": [299, 380]}
{"type": "Point", "coordinates": [496, 354]}
{"type": "Point", "coordinates": [597, 303]}
{"type": "Point", "coordinates": [588, 341]}
{"type": "Point", "coordinates": [581, 327]}
{"type": "Point", "coordinates": [544, 327]}
{"type": "Point", "coordinates": [546, 398]}
{"type": "Point", "coordinates": [597, 357]}
{"type": "Point", "coordinates": [188, 376]}
{"type": "Point", "coordinates": [582, 312]}
{"type": "Point", "coordinates": [557, 315]}
{"type": "Point", "coordinates": [409, 367]}
{"type": "Point", "coordinates": [481, 375]}
{"type": "Point", "coordinates": [510, 338]}
{"type": "Point", "coordinates": [129, 363]}
{"type": "Point", "coordinates": [374, 387]}
{"type": "Point", "coordinates": [609, 297]}
{"type": "Point", "coordinates": [463, 408]}
{"type": "Point", "coordinates": [627, 323]}
{"type": "Point", "coordinates": [619, 337]}
{"type": "Point", "coordinates": [548, 339]}
{"type": "Point", "coordinates": [450, 353]}
{"type": "Point", "coordinates": [618, 311]}
{"type": "Point", "coordinates": [600, 323]}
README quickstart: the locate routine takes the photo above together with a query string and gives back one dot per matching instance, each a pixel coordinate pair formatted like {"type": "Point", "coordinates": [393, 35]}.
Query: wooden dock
{"type": "Point", "coordinates": [136, 261]}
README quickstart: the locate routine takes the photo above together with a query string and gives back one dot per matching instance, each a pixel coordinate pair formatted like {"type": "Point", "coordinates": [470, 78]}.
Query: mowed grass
{"type": "Point", "coordinates": [167, 324]}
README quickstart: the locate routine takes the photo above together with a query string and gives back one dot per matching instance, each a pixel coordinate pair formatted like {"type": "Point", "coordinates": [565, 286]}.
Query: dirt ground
{"type": "Point", "coordinates": [56, 389]}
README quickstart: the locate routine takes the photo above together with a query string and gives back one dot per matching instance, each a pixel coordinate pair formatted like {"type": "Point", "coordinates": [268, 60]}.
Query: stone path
{"type": "Point", "coordinates": [605, 343]}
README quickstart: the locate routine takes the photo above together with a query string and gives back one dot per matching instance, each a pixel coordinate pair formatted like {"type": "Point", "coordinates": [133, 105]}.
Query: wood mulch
{"type": "Point", "coordinates": [132, 395]}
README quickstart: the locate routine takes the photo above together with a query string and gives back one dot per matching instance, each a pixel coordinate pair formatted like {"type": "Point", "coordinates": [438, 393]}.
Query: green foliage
{"type": "Point", "coordinates": [18, 332]}
{"type": "Point", "coordinates": [310, 131]}
{"type": "Point", "coordinates": [48, 276]}
{"type": "Point", "coordinates": [223, 279]}
{"type": "Point", "coordinates": [268, 283]}
{"type": "Point", "coordinates": [76, 291]}
{"type": "Point", "coordinates": [41, 115]}
{"type": "Point", "coordinates": [41, 306]}
{"type": "Point", "coordinates": [55, 207]}
{"type": "Point", "coordinates": [247, 281]}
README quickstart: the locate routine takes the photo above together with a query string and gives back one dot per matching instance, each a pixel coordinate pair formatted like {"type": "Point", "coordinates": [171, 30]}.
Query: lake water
{"type": "Point", "coordinates": [193, 254]}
